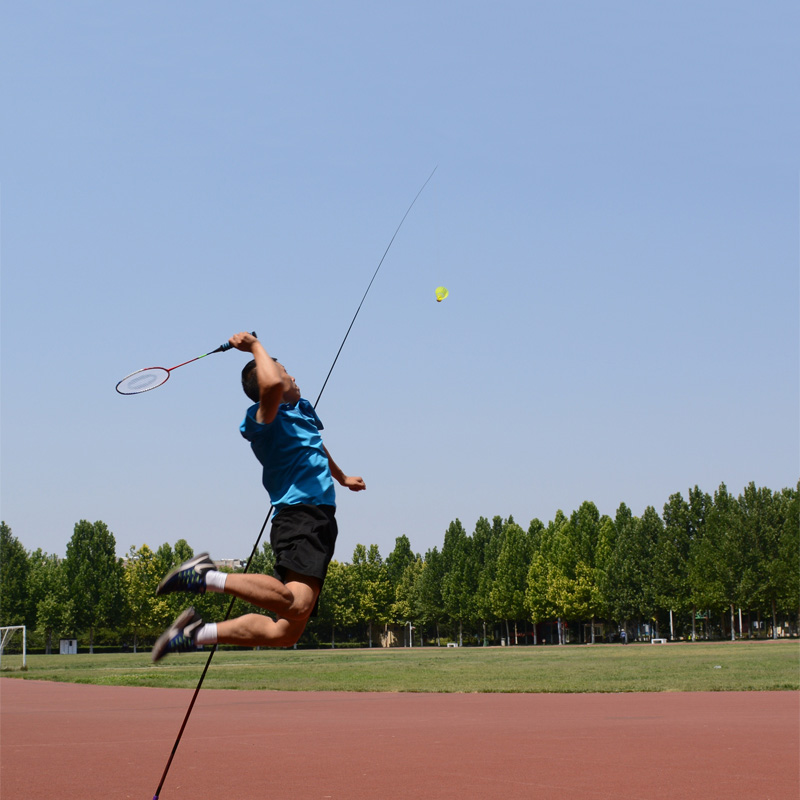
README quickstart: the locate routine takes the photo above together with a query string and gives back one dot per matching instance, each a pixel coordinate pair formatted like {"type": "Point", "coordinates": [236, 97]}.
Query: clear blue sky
{"type": "Point", "coordinates": [615, 214]}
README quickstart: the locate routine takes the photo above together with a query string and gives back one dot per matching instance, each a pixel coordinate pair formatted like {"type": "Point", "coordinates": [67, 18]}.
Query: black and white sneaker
{"type": "Point", "coordinates": [188, 577]}
{"type": "Point", "coordinates": [180, 636]}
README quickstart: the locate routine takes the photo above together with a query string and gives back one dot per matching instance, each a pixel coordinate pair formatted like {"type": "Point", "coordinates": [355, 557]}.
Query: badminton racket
{"type": "Point", "coordinates": [143, 380]}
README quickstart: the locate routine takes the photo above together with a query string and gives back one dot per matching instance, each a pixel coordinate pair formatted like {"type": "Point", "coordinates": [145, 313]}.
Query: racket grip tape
{"type": "Point", "coordinates": [227, 346]}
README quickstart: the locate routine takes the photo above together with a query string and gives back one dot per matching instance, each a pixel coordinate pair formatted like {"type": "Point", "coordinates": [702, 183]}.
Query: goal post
{"type": "Point", "coordinates": [6, 637]}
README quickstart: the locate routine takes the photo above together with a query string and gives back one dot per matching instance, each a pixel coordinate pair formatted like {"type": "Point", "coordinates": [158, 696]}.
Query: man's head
{"type": "Point", "coordinates": [291, 393]}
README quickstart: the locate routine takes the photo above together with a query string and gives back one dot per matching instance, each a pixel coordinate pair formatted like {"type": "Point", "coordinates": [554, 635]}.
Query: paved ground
{"type": "Point", "coordinates": [87, 742]}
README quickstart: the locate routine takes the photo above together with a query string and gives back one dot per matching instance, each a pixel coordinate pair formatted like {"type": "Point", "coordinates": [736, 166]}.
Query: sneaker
{"type": "Point", "coordinates": [188, 577]}
{"type": "Point", "coordinates": [179, 637]}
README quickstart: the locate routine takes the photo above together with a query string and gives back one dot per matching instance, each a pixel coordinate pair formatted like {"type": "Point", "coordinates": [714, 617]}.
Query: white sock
{"type": "Point", "coordinates": [207, 634]}
{"type": "Point", "coordinates": [215, 581]}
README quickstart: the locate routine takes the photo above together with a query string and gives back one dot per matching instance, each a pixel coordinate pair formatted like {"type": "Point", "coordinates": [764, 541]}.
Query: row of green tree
{"type": "Point", "coordinates": [716, 565]}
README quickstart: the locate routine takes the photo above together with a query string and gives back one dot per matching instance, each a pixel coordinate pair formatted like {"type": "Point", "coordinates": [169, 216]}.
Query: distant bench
{"type": "Point", "coordinates": [452, 644]}
{"type": "Point", "coordinates": [658, 641]}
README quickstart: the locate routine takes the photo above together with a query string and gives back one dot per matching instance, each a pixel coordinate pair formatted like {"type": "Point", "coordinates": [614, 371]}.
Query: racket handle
{"type": "Point", "coordinates": [228, 345]}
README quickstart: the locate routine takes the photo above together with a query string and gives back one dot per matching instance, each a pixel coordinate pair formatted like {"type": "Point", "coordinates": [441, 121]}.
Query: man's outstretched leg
{"type": "Point", "coordinates": [200, 574]}
{"type": "Point", "coordinates": [189, 631]}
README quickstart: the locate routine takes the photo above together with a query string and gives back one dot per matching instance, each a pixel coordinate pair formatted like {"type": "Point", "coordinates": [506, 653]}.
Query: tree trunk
{"type": "Point", "coordinates": [694, 620]}
{"type": "Point", "coordinates": [733, 625]}
{"type": "Point", "coordinates": [135, 642]}
{"type": "Point", "coordinates": [460, 634]}
{"type": "Point", "coordinates": [592, 630]}
{"type": "Point", "coordinates": [91, 640]}
{"type": "Point", "coordinates": [671, 627]}
{"type": "Point", "coordinates": [49, 645]}
{"type": "Point", "coordinates": [774, 621]}
{"type": "Point", "coordinates": [333, 637]}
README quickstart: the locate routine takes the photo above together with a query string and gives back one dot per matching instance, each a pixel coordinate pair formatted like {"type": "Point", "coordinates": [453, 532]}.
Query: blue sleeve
{"type": "Point", "coordinates": [249, 427]}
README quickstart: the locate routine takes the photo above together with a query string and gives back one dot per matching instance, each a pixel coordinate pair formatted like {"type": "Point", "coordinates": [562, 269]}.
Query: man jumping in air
{"type": "Point", "coordinates": [298, 472]}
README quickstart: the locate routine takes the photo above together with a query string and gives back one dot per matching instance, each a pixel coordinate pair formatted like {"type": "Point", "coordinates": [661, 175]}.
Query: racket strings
{"type": "Point", "coordinates": [143, 380]}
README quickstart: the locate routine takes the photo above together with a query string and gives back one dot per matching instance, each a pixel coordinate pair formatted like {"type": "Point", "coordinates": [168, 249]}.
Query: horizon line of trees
{"type": "Point", "coordinates": [699, 569]}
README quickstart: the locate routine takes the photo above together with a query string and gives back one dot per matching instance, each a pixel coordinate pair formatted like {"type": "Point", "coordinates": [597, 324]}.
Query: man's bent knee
{"type": "Point", "coordinates": [300, 610]}
{"type": "Point", "coordinates": [305, 591]}
{"type": "Point", "coordinates": [293, 630]}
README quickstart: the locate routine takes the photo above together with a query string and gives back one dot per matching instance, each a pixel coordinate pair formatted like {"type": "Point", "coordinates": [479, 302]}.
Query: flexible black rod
{"type": "Point", "coordinates": [325, 383]}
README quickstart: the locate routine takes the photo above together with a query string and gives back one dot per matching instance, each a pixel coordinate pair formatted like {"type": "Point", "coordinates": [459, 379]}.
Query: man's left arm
{"type": "Point", "coordinates": [353, 482]}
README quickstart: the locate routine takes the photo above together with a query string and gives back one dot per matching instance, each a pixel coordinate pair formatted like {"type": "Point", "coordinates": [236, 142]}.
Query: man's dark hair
{"type": "Point", "coordinates": [250, 381]}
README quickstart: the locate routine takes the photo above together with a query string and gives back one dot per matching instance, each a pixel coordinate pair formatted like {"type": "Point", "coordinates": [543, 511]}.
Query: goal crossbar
{"type": "Point", "coordinates": [6, 633]}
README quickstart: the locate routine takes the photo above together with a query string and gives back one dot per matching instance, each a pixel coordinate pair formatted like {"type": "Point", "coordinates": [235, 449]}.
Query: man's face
{"type": "Point", "coordinates": [291, 392]}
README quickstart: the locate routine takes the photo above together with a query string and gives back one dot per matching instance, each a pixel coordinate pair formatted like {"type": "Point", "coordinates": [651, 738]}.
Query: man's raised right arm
{"type": "Point", "coordinates": [268, 374]}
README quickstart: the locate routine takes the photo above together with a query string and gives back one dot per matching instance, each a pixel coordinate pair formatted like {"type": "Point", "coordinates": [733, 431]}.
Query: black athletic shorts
{"type": "Point", "coordinates": [303, 538]}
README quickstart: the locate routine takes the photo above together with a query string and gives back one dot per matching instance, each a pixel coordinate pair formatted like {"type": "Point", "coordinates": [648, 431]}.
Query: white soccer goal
{"type": "Point", "coordinates": [6, 636]}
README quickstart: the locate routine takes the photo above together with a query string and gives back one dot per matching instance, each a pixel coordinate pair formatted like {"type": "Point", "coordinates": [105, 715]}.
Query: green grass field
{"type": "Point", "coordinates": [719, 666]}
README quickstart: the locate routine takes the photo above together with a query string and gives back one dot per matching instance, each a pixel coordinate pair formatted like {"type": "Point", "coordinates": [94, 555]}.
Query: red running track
{"type": "Point", "coordinates": [85, 742]}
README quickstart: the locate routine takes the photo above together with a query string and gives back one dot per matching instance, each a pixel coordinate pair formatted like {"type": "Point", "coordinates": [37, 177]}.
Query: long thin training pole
{"type": "Point", "coordinates": [208, 664]}
{"type": "Point", "coordinates": [269, 513]}
{"type": "Point", "coordinates": [325, 382]}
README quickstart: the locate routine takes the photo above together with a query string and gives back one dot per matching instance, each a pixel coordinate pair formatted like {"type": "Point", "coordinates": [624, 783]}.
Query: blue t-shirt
{"type": "Point", "coordinates": [295, 466]}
